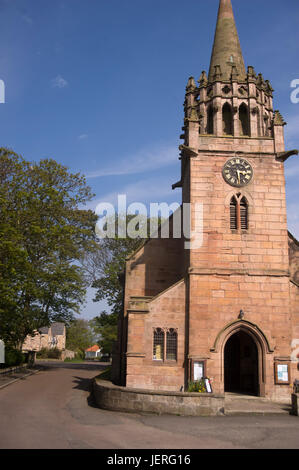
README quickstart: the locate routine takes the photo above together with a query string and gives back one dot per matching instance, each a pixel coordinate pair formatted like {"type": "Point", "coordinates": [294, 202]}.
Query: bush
{"type": "Point", "coordinates": [80, 355]}
{"type": "Point", "coordinates": [42, 354]}
{"type": "Point", "coordinates": [45, 353]}
{"type": "Point", "coordinates": [54, 354]}
{"type": "Point", "coordinates": [13, 357]}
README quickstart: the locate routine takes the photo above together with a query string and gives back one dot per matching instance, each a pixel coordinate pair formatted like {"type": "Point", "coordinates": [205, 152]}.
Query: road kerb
{"type": "Point", "coordinates": [20, 378]}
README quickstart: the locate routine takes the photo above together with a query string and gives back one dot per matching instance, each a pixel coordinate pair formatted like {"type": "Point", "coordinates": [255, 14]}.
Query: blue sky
{"type": "Point", "coordinates": [99, 85]}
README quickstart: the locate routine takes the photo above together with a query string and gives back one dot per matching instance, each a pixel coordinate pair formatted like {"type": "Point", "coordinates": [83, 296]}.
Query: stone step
{"type": "Point", "coordinates": [238, 405]}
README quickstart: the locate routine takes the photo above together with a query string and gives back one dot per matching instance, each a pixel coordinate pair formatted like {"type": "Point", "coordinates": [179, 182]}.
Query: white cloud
{"type": "Point", "coordinates": [83, 136]}
{"type": "Point", "coordinates": [142, 161]}
{"type": "Point", "coordinates": [59, 82]}
{"type": "Point", "coordinates": [143, 191]}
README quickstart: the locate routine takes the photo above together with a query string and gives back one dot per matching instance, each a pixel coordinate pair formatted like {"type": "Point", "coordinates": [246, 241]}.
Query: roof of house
{"type": "Point", "coordinates": [57, 328]}
{"type": "Point", "coordinates": [44, 330]}
{"type": "Point", "coordinates": [94, 348]}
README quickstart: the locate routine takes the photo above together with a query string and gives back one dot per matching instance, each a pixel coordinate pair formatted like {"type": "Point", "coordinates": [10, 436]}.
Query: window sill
{"type": "Point", "coordinates": [168, 363]}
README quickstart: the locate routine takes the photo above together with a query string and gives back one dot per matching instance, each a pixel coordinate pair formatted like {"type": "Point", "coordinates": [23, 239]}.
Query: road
{"type": "Point", "coordinates": [53, 410]}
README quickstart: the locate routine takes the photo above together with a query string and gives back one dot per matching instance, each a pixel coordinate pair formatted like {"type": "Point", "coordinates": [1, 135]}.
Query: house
{"type": "Point", "coordinates": [227, 309]}
{"type": "Point", "coordinates": [47, 337]}
{"type": "Point", "coordinates": [93, 352]}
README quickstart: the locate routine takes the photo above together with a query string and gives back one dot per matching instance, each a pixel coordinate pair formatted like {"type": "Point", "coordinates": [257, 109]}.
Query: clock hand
{"type": "Point", "coordinates": [239, 172]}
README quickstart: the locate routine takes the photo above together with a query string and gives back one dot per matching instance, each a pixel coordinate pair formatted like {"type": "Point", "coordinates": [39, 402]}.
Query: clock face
{"type": "Point", "coordinates": [237, 172]}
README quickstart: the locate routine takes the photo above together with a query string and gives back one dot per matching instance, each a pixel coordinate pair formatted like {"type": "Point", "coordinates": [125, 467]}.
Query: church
{"type": "Point", "coordinates": [229, 309]}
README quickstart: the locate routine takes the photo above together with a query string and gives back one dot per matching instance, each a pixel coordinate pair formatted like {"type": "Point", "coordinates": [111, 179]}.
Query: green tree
{"type": "Point", "coordinates": [79, 335]}
{"type": "Point", "coordinates": [105, 327]}
{"type": "Point", "coordinates": [44, 233]}
{"type": "Point", "coordinates": [105, 267]}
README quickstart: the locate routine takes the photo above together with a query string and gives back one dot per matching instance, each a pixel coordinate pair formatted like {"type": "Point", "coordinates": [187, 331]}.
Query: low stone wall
{"type": "Point", "coordinates": [295, 404]}
{"type": "Point", "coordinates": [112, 397]}
{"type": "Point", "coordinates": [66, 354]}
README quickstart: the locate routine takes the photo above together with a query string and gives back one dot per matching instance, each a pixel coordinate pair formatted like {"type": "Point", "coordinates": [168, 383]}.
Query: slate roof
{"type": "Point", "coordinates": [57, 328]}
{"type": "Point", "coordinates": [44, 330]}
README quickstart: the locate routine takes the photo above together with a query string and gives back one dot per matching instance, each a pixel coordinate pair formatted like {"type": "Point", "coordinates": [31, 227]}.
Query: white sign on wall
{"type": "Point", "coordinates": [198, 371]}
{"type": "Point", "coordinates": [2, 352]}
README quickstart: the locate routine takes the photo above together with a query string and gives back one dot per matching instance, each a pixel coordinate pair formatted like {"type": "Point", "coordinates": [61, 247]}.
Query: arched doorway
{"type": "Point", "coordinates": [241, 364]}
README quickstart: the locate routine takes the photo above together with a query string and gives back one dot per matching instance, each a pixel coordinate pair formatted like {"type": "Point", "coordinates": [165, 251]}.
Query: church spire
{"type": "Point", "coordinates": [227, 55]}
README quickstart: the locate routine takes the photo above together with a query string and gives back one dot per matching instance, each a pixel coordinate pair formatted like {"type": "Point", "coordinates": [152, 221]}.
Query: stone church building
{"type": "Point", "coordinates": [228, 310]}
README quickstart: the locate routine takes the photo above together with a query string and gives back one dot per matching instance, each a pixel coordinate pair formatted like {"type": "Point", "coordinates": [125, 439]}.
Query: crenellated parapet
{"type": "Point", "coordinates": [235, 107]}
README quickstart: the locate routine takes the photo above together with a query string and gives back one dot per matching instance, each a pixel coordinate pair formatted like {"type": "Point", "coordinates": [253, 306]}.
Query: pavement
{"type": "Point", "coordinates": [242, 405]}
{"type": "Point", "coordinates": [21, 374]}
{"type": "Point", "coordinates": [54, 409]}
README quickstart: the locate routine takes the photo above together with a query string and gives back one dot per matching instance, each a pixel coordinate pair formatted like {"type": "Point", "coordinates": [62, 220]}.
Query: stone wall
{"type": "Point", "coordinates": [66, 354]}
{"type": "Point", "coordinates": [110, 397]}
{"type": "Point", "coordinates": [166, 310]}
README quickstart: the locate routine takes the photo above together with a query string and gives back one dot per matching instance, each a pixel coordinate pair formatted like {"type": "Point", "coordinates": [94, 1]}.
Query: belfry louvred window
{"type": "Point", "coordinates": [244, 214]}
{"type": "Point", "coordinates": [238, 213]}
{"type": "Point", "coordinates": [165, 344]}
{"type": "Point", "coordinates": [233, 214]}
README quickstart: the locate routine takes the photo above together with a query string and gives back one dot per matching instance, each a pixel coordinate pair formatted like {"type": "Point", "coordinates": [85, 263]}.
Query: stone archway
{"type": "Point", "coordinates": [261, 343]}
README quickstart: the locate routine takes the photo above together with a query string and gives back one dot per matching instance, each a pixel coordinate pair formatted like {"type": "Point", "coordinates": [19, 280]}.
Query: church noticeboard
{"type": "Point", "coordinates": [2, 352]}
{"type": "Point", "coordinates": [198, 370]}
{"type": "Point", "coordinates": [282, 374]}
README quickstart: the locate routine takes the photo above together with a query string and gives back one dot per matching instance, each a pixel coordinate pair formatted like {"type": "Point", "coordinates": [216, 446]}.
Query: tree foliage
{"type": "Point", "coordinates": [79, 335]}
{"type": "Point", "coordinates": [43, 236]}
{"type": "Point", "coordinates": [105, 267]}
{"type": "Point", "coordinates": [105, 327]}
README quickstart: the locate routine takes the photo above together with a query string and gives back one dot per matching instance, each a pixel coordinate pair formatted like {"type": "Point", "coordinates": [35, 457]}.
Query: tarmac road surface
{"type": "Point", "coordinates": [53, 410]}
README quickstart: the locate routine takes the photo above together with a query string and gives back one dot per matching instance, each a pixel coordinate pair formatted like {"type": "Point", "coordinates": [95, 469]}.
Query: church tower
{"type": "Point", "coordinates": [238, 289]}
{"type": "Point", "coordinates": [228, 307]}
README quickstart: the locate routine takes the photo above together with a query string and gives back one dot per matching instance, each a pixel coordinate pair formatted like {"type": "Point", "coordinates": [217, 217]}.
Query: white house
{"type": "Point", "coordinates": [93, 352]}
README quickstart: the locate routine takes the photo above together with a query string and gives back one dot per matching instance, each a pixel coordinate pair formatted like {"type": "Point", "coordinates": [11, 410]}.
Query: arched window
{"type": "Point", "coordinates": [244, 120]}
{"type": "Point", "coordinates": [239, 213]}
{"type": "Point", "coordinates": [233, 214]}
{"type": "Point", "coordinates": [244, 214]}
{"type": "Point", "coordinates": [165, 345]}
{"type": "Point", "coordinates": [158, 351]}
{"type": "Point", "coordinates": [210, 127]}
{"type": "Point", "coordinates": [171, 345]}
{"type": "Point", "coordinates": [227, 119]}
